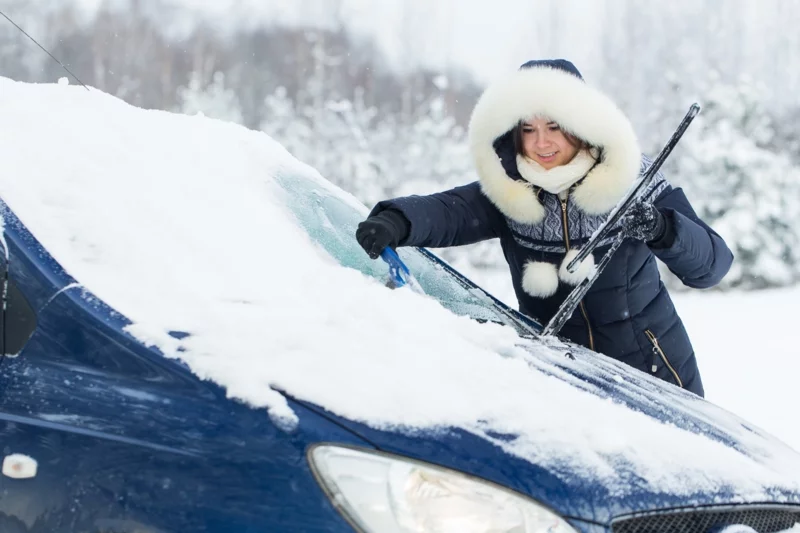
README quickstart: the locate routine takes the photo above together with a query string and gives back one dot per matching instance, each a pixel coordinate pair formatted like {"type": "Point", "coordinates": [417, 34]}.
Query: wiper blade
{"type": "Point", "coordinates": [574, 298]}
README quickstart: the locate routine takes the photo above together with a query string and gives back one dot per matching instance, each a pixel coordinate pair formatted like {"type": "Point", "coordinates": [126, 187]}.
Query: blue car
{"type": "Point", "coordinates": [104, 432]}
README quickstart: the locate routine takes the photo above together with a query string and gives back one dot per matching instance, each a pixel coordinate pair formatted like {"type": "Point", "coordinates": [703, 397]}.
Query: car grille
{"type": "Point", "coordinates": [764, 519]}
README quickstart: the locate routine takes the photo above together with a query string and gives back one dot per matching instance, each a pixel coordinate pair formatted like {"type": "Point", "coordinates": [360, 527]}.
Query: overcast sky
{"type": "Point", "coordinates": [491, 37]}
{"type": "Point", "coordinates": [486, 37]}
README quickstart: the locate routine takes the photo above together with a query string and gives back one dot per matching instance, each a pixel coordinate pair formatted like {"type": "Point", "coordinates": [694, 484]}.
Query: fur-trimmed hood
{"type": "Point", "coordinates": [579, 109]}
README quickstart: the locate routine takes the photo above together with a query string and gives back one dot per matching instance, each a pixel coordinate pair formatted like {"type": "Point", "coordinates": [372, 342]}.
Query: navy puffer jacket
{"type": "Point", "coordinates": [627, 314]}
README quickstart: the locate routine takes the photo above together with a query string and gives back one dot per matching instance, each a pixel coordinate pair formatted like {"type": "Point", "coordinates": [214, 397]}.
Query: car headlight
{"type": "Point", "coordinates": [380, 493]}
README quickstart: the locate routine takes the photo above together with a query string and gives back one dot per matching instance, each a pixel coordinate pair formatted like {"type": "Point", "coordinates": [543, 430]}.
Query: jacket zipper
{"type": "Point", "coordinates": [565, 223]}
{"type": "Point", "coordinates": [658, 352]}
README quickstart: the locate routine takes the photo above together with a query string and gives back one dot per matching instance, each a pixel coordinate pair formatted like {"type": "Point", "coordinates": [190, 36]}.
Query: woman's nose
{"type": "Point", "coordinates": [542, 139]}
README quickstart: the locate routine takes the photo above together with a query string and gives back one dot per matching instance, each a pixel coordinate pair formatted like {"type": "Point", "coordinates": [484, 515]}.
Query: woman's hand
{"type": "Point", "coordinates": [387, 228]}
{"type": "Point", "coordinates": [644, 222]}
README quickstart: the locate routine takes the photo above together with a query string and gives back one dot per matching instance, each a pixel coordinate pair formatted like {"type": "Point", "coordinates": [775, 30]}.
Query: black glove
{"type": "Point", "coordinates": [387, 228]}
{"type": "Point", "coordinates": [644, 222]}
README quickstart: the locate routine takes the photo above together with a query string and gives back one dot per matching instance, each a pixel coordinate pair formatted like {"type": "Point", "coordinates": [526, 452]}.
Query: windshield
{"type": "Point", "coordinates": [331, 220]}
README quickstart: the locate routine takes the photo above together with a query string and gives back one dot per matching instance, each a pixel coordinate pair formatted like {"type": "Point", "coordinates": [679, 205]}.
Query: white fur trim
{"type": "Point", "coordinates": [578, 108]}
{"type": "Point", "coordinates": [540, 279]}
{"type": "Point", "coordinates": [515, 199]}
{"type": "Point", "coordinates": [584, 269]}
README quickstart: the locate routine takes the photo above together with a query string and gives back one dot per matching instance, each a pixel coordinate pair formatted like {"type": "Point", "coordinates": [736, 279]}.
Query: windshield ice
{"type": "Point", "coordinates": [331, 221]}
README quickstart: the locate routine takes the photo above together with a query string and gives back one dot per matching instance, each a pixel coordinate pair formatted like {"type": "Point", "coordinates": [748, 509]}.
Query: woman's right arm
{"type": "Point", "coordinates": [463, 215]}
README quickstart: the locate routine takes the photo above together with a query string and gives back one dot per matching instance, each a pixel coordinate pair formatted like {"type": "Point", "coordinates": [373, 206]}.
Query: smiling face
{"type": "Point", "coordinates": [543, 141]}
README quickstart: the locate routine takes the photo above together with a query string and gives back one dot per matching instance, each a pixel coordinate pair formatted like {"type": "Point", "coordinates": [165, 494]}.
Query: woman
{"type": "Point", "coordinates": [554, 156]}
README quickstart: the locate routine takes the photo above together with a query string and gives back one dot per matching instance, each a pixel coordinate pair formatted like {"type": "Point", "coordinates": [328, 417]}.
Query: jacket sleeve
{"type": "Point", "coordinates": [697, 255]}
{"type": "Point", "coordinates": [463, 215]}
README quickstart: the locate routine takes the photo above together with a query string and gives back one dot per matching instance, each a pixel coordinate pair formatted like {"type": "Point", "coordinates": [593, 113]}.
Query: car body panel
{"type": "Point", "coordinates": [566, 491]}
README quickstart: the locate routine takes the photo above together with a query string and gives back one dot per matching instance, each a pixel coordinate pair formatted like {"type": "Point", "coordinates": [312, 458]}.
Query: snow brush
{"type": "Point", "coordinates": [399, 275]}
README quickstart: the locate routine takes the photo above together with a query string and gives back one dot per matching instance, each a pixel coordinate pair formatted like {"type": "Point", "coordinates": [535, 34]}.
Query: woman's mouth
{"type": "Point", "coordinates": [546, 158]}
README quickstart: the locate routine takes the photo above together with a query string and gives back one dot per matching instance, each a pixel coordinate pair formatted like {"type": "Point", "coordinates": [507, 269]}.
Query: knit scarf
{"type": "Point", "coordinates": [556, 179]}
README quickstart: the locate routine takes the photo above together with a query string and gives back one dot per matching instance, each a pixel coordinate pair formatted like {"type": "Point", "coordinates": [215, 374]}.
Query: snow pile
{"type": "Point", "coordinates": [748, 354]}
{"type": "Point", "coordinates": [180, 224]}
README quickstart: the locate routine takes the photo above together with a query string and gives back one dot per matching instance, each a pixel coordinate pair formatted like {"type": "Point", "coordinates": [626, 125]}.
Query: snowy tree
{"type": "Point", "coordinates": [319, 134]}
{"type": "Point", "coordinates": [284, 124]}
{"type": "Point", "coordinates": [213, 100]}
{"type": "Point", "coordinates": [361, 167]}
{"type": "Point", "coordinates": [374, 155]}
{"type": "Point", "coordinates": [746, 191]}
{"type": "Point", "coordinates": [432, 152]}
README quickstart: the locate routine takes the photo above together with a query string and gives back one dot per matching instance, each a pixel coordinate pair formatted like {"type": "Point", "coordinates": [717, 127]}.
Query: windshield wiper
{"type": "Point", "coordinates": [574, 298]}
{"type": "Point", "coordinates": [525, 326]}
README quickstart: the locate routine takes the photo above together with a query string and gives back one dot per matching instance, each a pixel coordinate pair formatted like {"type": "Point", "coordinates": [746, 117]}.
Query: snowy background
{"type": "Point", "coordinates": [376, 96]}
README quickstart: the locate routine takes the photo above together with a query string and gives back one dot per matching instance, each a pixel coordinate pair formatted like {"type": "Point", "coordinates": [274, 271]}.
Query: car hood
{"type": "Point", "coordinates": [590, 493]}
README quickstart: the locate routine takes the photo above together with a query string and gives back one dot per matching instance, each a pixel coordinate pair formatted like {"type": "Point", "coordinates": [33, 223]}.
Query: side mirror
{"type": "Point", "coordinates": [19, 321]}
{"type": "Point", "coordinates": [17, 317]}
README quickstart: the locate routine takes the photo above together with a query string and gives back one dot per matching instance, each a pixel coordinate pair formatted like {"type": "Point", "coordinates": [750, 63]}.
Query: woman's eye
{"type": "Point", "coordinates": [527, 130]}
{"type": "Point", "coordinates": [553, 128]}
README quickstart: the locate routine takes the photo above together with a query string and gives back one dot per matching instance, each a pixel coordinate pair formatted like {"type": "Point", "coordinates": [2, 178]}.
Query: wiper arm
{"type": "Point", "coordinates": [574, 298]}
{"type": "Point", "coordinates": [525, 326]}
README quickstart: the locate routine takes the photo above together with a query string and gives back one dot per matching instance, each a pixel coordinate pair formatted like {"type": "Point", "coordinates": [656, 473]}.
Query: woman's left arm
{"type": "Point", "coordinates": [690, 248]}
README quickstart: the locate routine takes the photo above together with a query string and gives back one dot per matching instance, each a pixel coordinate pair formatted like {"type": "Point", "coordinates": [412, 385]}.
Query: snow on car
{"type": "Point", "coordinates": [194, 341]}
